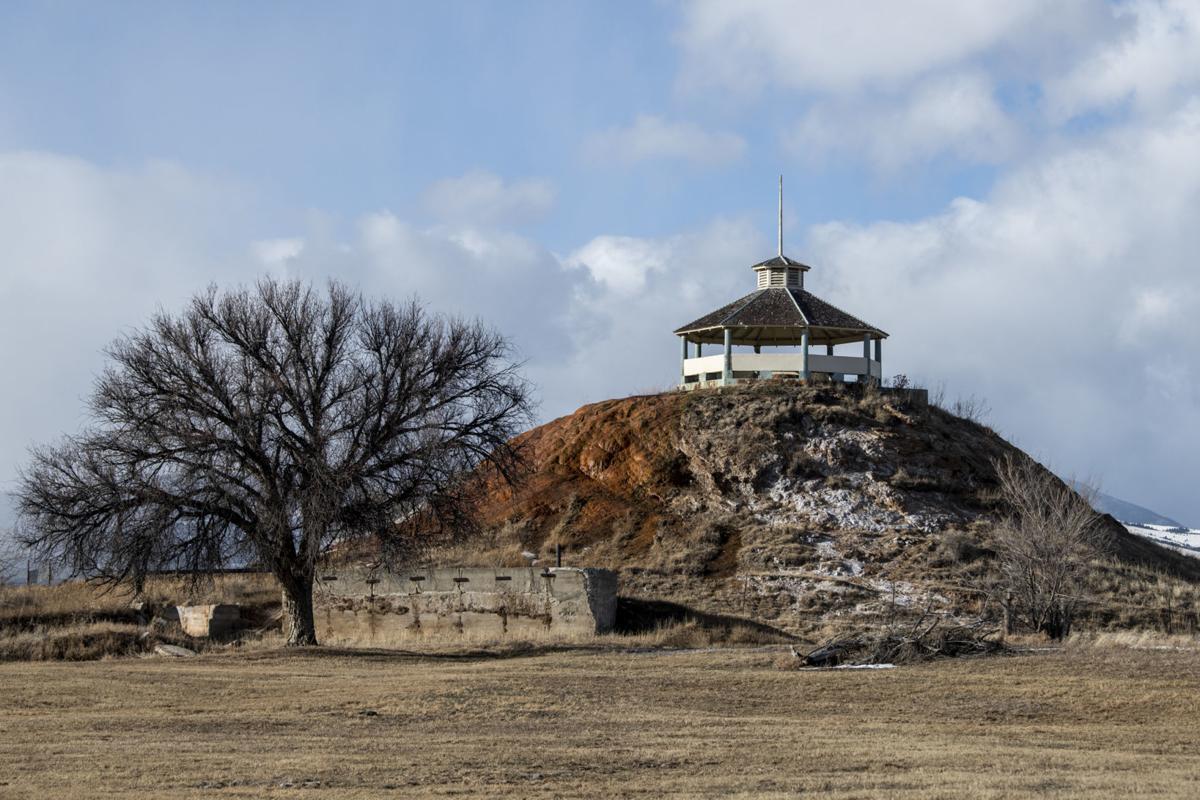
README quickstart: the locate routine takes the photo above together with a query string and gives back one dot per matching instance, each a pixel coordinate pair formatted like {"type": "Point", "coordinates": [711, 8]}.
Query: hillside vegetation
{"type": "Point", "coordinates": [802, 506]}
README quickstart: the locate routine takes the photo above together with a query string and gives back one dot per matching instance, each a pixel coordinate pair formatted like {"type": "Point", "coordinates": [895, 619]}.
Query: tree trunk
{"type": "Point", "coordinates": [1056, 623]}
{"type": "Point", "coordinates": [298, 624]}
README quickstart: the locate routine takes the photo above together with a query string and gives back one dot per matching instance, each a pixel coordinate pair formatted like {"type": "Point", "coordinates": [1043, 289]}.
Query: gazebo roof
{"type": "Point", "coordinates": [779, 316]}
{"type": "Point", "coordinates": [782, 261]}
{"type": "Point", "coordinates": [781, 312]}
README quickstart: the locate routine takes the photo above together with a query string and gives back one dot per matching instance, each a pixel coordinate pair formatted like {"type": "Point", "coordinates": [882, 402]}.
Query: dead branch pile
{"type": "Point", "coordinates": [924, 641]}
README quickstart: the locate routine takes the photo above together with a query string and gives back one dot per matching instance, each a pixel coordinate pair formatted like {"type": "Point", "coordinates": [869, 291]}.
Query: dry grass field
{"type": "Point", "coordinates": [1086, 722]}
{"type": "Point", "coordinates": [77, 621]}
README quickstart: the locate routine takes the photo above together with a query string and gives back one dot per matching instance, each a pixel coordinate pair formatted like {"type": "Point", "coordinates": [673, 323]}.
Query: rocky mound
{"type": "Point", "coordinates": [801, 506]}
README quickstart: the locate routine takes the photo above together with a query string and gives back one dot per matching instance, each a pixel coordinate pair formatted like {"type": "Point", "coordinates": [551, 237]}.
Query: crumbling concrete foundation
{"type": "Point", "coordinates": [356, 606]}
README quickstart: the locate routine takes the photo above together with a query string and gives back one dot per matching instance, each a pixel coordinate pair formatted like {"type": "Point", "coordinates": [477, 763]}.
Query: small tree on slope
{"type": "Point", "coordinates": [1046, 543]}
{"type": "Point", "coordinates": [269, 423]}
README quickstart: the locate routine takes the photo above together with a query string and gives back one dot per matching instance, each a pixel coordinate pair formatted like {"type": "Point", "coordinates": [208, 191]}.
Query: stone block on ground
{"type": "Point", "coordinates": [173, 651]}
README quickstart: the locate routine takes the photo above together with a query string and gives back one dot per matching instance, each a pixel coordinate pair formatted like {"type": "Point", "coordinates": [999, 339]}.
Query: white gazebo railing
{"type": "Point", "coordinates": [761, 366]}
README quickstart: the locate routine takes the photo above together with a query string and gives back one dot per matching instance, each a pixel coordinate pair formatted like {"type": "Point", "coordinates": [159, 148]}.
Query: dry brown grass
{"type": "Point", "coordinates": [78, 599]}
{"type": "Point", "coordinates": [92, 641]}
{"type": "Point", "coordinates": [78, 621]}
{"type": "Point", "coordinates": [1133, 640]}
{"type": "Point", "coordinates": [1088, 723]}
{"type": "Point", "coordinates": [84, 642]}
{"type": "Point", "coordinates": [19, 604]}
{"type": "Point", "coordinates": [97, 640]}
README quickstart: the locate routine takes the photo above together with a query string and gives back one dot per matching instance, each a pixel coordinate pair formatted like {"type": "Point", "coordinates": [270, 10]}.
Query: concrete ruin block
{"type": "Point", "coordinates": [601, 591]}
{"type": "Point", "coordinates": [356, 606]}
{"type": "Point", "coordinates": [220, 619]}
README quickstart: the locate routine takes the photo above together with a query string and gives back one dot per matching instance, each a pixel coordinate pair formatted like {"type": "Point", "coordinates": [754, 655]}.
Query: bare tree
{"type": "Point", "coordinates": [269, 424]}
{"type": "Point", "coordinates": [1045, 543]}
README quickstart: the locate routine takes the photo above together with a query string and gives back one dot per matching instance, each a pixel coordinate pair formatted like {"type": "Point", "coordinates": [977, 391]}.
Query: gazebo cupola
{"type": "Point", "coordinates": [780, 271]}
{"type": "Point", "coordinates": [780, 314]}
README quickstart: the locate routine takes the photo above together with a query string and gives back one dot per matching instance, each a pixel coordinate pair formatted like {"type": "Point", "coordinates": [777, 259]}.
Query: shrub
{"type": "Point", "coordinates": [1046, 544]}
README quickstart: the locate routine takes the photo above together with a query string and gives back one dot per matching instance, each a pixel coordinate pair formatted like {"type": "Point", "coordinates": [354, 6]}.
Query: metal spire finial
{"type": "Point", "coordinates": [781, 216]}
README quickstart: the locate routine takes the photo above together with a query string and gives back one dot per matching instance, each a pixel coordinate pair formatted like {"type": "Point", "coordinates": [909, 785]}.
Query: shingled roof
{"type": "Point", "coordinates": [782, 261]}
{"type": "Point", "coordinates": [780, 314]}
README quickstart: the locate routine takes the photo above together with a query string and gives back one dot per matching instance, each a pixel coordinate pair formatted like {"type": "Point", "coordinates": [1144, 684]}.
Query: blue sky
{"type": "Point", "coordinates": [353, 112]}
{"type": "Point", "coordinates": [1008, 189]}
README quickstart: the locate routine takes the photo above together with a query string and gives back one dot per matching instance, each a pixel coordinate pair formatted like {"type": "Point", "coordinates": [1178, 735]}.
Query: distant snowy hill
{"type": "Point", "coordinates": [1183, 540]}
{"type": "Point", "coordinates": [1130, 513]}
{"type": "Point", "coordinates": [1148, 524]}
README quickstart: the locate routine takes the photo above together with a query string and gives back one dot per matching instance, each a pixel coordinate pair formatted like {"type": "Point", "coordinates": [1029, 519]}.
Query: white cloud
{"type": "Point", "coordinates": [1152, 312]}
{"type": "Point", "coordinates": [622, 263]}
{"type": "Point", "coordinates": [891, 84]}
{"type": "Point", "coordinates": [593, 323]}
{"type": "Point", "coordinates": [273, 253]}
{"type": "Point", "coordinates": [483, 198]}
{"type": "Point", "coordinates": [642, 288]}
{"type": "Point", "coordinates": [955, 114]}
{"type": "Point", "coordinates": [1153, 61]}
{"type": "Point", "coordinates": [89, 252]}
{"type": "Point", "coordinates": [652, 138]}
{"type": "Point", "coordinates": [1068, 297]}
{"type": "Point", "coordinates": [820, 46]}
{"type": "Point", "coordinates": [507, 280]}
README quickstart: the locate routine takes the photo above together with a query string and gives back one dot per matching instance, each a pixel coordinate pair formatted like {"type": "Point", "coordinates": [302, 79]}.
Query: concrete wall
{"type": "Point", "coordinates": [355, 606]}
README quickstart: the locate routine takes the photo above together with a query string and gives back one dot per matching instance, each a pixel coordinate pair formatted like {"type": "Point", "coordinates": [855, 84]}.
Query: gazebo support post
{"type": "Point", "coordinates": [683, 361]}
{"type": "Point", "coordinates": [866, 373]}
{"type": "Point", "coordinates": [879, 357]}
{"type": "Point", "coordinates": [804, 355]}
{"type": "Point", "coordinates": [727, 370]}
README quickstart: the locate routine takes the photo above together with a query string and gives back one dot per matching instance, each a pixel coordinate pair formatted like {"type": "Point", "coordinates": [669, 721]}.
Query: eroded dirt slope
{"type": "Point", "coordinates": [797, 505]}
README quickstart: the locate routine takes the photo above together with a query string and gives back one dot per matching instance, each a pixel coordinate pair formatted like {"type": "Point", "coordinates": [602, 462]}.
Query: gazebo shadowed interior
{"type": "Point", "coordinates": [782, 322]}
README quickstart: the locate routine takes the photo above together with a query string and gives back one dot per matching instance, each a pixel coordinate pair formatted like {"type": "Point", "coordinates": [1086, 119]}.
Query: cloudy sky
{"type": "Point", "coordinates": [1011, 189]}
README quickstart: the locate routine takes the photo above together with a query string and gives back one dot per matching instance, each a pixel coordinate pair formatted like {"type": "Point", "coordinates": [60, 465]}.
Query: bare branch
{"type": "Point", "coordinates": [1046, 543]}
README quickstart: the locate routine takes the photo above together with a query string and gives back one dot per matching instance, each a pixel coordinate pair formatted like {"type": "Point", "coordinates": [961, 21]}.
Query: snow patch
{"type": "Point", "coordinates": [865, 666]}
{"type": "Point", "coordinates": [1182, 540]}
{"type": "Point", "coordinates": [850, 666]}
{"type": "Point", "coordinates": [863, 507]}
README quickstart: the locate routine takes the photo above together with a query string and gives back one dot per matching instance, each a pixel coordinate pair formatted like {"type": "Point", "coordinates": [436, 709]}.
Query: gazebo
{"type": "Point", "coordinates": [786, 318]}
